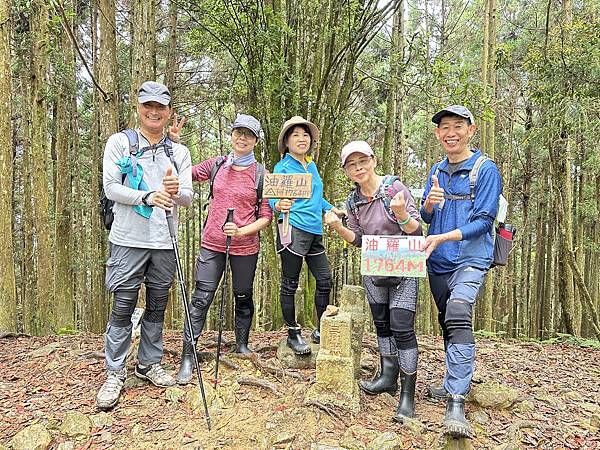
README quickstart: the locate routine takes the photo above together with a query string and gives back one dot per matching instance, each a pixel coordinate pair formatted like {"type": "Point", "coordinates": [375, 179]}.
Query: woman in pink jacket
{"type": "Point", "coordinates": [234, 186]}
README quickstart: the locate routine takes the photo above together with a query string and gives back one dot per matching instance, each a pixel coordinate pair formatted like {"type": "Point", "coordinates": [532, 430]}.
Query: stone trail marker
{"type": "Point", "coordinates": [338, 361]}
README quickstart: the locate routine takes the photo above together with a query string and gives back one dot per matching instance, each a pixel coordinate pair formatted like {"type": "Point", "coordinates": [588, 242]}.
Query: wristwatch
{"type": "Point", "coordinates": [146, 197]}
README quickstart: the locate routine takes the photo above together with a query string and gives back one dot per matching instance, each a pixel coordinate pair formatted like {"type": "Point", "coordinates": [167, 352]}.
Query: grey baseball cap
{"type": "Point", "coordinates": [151, 91]}
{"type": "Point", "coordinates": [458, 110]}
{"type": "Point", "coordinates": [247, 121]}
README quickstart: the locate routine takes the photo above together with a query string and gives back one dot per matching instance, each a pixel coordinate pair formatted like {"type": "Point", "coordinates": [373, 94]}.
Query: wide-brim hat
{"type": "Point", "coordinates": [292, 122]}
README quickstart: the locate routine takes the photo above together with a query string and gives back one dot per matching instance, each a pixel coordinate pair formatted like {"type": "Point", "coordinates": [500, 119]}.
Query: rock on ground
{"type": "Point", "coordinates": [290, 360]}
{"type": "Point", "coordinates": [386, 441]}
{"type": "Point", "coordinates": [458, 444]}
{"type": "Point", "coordinates": [76, 424]}
{"type": "Point", "coordinates": [33, 437]}
{"type": "Point", "coordinates": [493, 395]}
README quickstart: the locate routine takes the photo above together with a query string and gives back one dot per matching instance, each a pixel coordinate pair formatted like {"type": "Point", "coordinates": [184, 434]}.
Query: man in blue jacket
{"type": "Point", "coordinates": [459, 249]}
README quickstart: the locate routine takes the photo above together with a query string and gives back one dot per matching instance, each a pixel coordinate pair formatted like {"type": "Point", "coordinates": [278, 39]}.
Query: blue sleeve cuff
{"type": "Point", "coordinates": [425, 215]}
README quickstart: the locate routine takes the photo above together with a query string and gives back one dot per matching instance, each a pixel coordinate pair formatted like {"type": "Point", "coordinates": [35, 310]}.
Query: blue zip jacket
{"type": "Point", "coordinates": [306, 213]}
{"type": "Point", "coordinates": [475, 219]}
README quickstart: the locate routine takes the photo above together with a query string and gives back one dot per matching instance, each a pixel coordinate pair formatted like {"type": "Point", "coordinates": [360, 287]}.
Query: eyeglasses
{"type": "Point", "coordinates": [239, 132]}
{"type": "Point", "coordinates": [355, 165]}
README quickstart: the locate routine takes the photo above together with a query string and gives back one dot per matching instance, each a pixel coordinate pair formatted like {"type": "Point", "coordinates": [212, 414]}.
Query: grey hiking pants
{"type": "Point", "coordinates": [126, 269]}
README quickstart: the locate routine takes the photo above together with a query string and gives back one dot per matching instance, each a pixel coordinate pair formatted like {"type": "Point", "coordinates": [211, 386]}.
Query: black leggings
{"type": "Point", "coordinates": [210, 266]}
{"type": "Point", "coordinates": [291, 265]}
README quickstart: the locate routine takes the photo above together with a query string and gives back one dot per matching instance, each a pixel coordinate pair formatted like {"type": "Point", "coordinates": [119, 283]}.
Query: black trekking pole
{"type": "Point", "coordinates": [223, 295]}
{"type": "Point", "coordinates": [345, 254]}
{"type": "Point", "coordinates": [186, 309]}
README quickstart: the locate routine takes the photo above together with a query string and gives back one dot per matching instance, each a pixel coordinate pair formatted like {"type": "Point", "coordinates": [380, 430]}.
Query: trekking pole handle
{"type": "Point", "coordinates": [229, 219]}
{"type": "Point", "coordinates": [229, 215]}
{"type": "Point", "coordinates": [171, 224]}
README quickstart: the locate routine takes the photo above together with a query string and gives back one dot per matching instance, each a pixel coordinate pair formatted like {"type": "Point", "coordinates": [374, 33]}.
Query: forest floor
{"type": "Point", "coordinates": [45, 380]}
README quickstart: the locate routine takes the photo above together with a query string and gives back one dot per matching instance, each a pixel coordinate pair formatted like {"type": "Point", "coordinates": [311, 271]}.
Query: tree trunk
{"type": "Point", "coordinates": [28, 268]}
{"type": "Point", "coordinates": [8, 295]}
{"type": "Point", "coordinates": [560, 162]}
{"type": "Point", "coordinates": [39, 158]}
{"type": "Point", "coordinates": [391, 114]}
{"type": "Point", "coordinates": [488, 130]}
{"type": "Point", "coordinates": [63, 288]}
{"type": "Point", "coordinates": [172, 62]}
{"type": "Point", "coordinates": [143, 51]}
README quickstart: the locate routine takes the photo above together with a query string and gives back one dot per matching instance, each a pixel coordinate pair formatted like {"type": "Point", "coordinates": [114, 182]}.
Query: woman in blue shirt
{"type": "Point", "coordinates": [304, 240]}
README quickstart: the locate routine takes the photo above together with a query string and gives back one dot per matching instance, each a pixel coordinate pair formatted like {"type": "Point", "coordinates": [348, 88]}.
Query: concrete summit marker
{"type": "Point", "coordinates": [338, 362]}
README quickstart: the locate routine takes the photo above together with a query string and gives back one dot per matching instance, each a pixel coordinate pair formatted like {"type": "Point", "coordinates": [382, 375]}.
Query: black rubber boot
{"type": "Point", "coordinates": [199, 305]}
{"type": "Point", "coordinates": [186, 369]}
{"type": "Point", "coordinates": [455, 423]}
{"type": "Point", "coordinates": [296, 343]}
{"type": "Point", "coordinates": [244, 311]}
{"type": "Point", "coordinates": [241, 339]}
{"type": "Point", "coordinates": [406, 406]}
{"type": "Point", "coordinates": [386, 380]}
{"type": "Point", "coordinates": [315, 336]}
{"type": "Point", "coordinates": [437, 392]}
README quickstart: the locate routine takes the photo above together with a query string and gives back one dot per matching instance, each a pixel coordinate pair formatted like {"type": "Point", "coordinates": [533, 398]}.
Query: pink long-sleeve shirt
{"type": "Point", "coordinates": [231, 189]}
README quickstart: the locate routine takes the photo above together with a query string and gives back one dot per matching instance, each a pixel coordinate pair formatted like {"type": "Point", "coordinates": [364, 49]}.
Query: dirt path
{"type": "Point", "coordinates": [42, 379]}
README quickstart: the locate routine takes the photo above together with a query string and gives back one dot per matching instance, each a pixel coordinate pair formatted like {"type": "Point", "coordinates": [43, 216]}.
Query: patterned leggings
{"type": "Point", "coordinates": [393, 309]}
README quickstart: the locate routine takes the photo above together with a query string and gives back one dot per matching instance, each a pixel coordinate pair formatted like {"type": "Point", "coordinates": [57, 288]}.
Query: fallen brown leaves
{"type": "Point", "coordinates": [41, 379]}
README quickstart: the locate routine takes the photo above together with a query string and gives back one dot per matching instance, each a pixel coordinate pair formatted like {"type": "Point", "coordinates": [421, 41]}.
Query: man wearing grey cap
{"type": "Point", "coordinates": [459, 249]}
{"type": "Point", "coordinates": [145, 174]}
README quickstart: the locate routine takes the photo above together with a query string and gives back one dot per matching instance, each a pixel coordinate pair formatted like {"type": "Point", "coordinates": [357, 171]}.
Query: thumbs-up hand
{"type": "Point", "coordinates": [435, 196]}
{"type": "Point", "coordinates": [171, 183]}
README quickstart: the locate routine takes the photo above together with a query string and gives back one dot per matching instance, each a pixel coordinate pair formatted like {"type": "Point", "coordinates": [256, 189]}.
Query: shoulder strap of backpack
{"type": "Point", "coordinates": [475, 173]}
{"type": "Point", "coordinates": [351, 202]}
{"type": "Point", "coordinates": [436, 172]}
{"type": "Point", "coordinates": [259, 178]}
{"type": "Point", "coordinates": [168, 145]}
{"type": "Point", "coordinates": [384, 194]}
{"type": "Point", "coordinates": [213, 173]}
{"type": "Point", "coordinates": [132, 137]}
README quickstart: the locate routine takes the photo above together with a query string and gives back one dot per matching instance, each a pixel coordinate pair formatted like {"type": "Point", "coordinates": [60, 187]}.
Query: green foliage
{"type": "Point", "coordinates": [562, 338]}
{"type": "Point", "coordinates": [67, 331]}
{"type": "Point", "coordinates": [490, 334]}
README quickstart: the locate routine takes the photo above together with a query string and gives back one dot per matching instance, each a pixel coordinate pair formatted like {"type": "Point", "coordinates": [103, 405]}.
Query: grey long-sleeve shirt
{"type": "Point", "coordinates": [130, 229]}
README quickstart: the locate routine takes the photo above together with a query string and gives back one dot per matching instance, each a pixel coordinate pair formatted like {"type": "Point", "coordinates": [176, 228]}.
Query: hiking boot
{"type": "Point", "coordinates": [241, 339]}
{"type": "Point", "coordinates": [155, 374]}
{"type": "Point", "coordinates": [315, 336]}
{"type": "Point", "coordinates": [187, 365]}
{"type": "Point", "coordinates": [437, 392]}
{"type": "Point", "coordinates": [296, 343]}
{"type": "Point", "coordinates": [387, 378]}
{"type": "Point", "coordinates": [109, 393]}
{"type": "Point", "coordinates": [455, 423]}
{"type": "Point", "coordinates": [406, 406]}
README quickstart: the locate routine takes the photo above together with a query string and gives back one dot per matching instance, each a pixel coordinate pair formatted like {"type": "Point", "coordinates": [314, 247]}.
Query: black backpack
{"type": "Point", "coordinates": [106, 205]}
{"type": "Point", "coordinates": [258, 182]}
